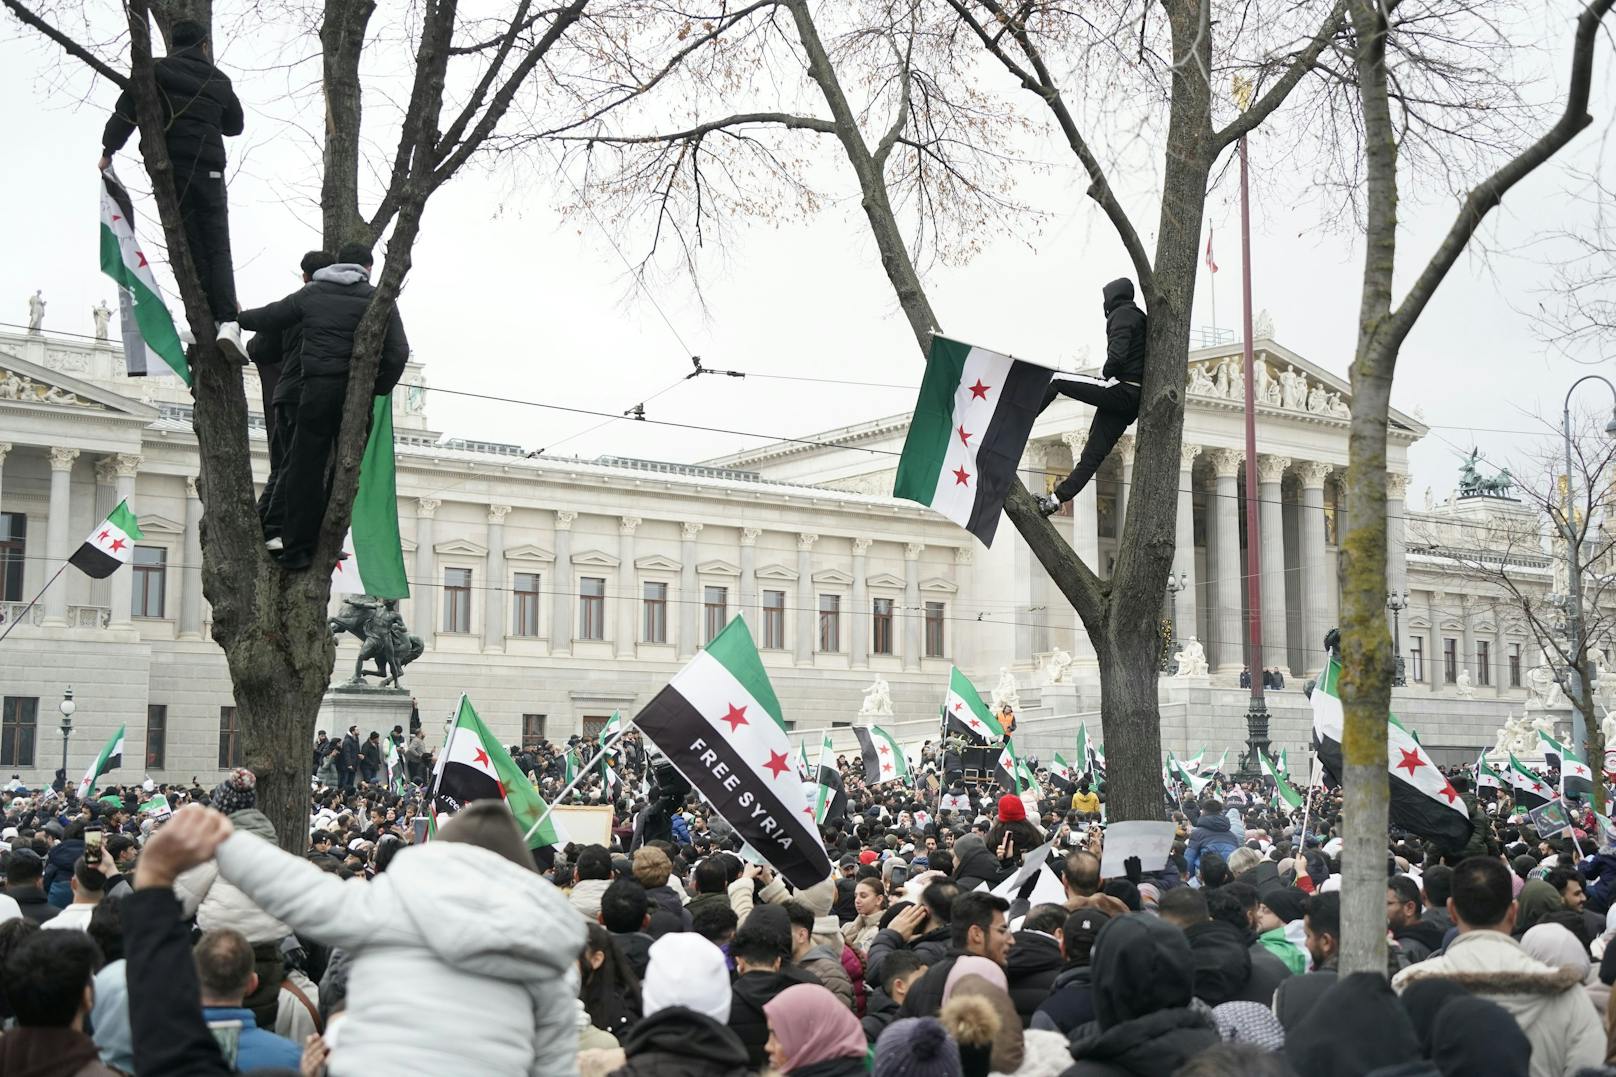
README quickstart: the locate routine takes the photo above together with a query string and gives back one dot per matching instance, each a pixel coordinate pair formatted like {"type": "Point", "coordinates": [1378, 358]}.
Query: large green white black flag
{"type": "Point", "coordinates": [151, 345]}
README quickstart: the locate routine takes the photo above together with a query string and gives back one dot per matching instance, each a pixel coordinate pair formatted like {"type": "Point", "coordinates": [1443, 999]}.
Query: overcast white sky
{"type": "Point", "coordinates": [509, 298]}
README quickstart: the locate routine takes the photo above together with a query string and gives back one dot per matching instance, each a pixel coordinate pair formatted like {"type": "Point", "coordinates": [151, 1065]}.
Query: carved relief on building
{"type": "Point", "coordinates": [1289, 389]}
{"type": "Point", "coordinates": [22, 388]}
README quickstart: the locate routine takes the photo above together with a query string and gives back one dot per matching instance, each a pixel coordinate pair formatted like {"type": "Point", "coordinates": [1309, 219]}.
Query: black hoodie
{"type": "Point", "coordinates": [1222, 962]}
{"type": "Point", "coordinates": [1031, 967]}
{"type": "Point", "coordinates": [1124, 333]}
{"type": "Point", "coordinates": [748, 995]}
{"type": "Point", "coordinates": [974, 863]}
{"type": "Point", "coordinates": [199, 106]}
{"type": "Point", "coordinates": [1357, 1026]}
{"type": "Point", "coordinates": [679, 1042]}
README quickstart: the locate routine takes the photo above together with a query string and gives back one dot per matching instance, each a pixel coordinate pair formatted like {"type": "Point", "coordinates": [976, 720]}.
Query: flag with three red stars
{"type": "Point", "coordinates": [1423, 801]}
{"type": "Point", "coordinates": [972, 419]}
{"type": "Point", "coordinates": [474, 766]}
{"type": "Point", "coordinates": [1528, 789]}
{"type": "Point", "coordinates": [965, 713]}
{"type": "Point", "coordinates": [719, 723]}
{"type": "Point", "coordinates": [883, 757]}
{"type": "Point", "coordinates": [111, 544]}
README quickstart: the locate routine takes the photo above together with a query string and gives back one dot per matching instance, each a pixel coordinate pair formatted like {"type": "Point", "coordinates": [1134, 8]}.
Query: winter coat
{"type": "Point", "coordinates": [826, 967]}
{"type": "Point", "coordinates": [879, 1012]}
{"type": "Point", "coordinates": [329, 309]}
{"type": "Point", "coordinates": [1031, 967]}
{"type": "Point", "coordinates": [1418, 940]}
{"type": "Point", "coordinates": [1222, 964]}
{"type": "Point", "coordinates": [853, 965]}
{"type": "Point", "coordinates": [1124, 333]}
{"type": "Point", "coordinates": [1088, 803]}
{"type": "Point", "coordinates": [217, 903]}
{"type": "Point", "coordinates": [370, 759]}
{"type": "Point", "coordinates": [1278, 944]}
{"type": "Point", "coordinates": [59, 871]}
{"type": "Point", "coordinates": [199, 106]}
{"type": "Point", "coordinates": [635, 946]}
{"type": "Point", "coordinates": [1600, 871]}
{"type": "Point", "coordinates": [925, 997]}
{"type": "Point", "coordinates": [1070, 1005]}
{"type": "Point", "coordinates": [665, 898]}
{"type": "Point", "coordinates": [348, 754]}
{"type": "Point", "coordinates": [674, 1042]}
{"type": "Point", "coordinates": [834, 1067]}
{"type": "Point", "coordinates": [50, 1052]}
{"type": "Point", "coordinates": [1149, 1046]}
{"type": "Point", "coordinates": [1549, 1004]}
{"type": "Point", "coordinates": [931, 948]}
{"type": "Point", "coordinates": [974, 863]}
{"type": "Point", "coordinates": [748, 994]}
{"type": "Point", "coordinates": [1297, 995]}
{"type": "Point", "coordinates": [32, 905]}
{"type": "Point", "coordinates": [860, 931]}
{"type": "Point", "coordinates": [501, 957]}
{"type": "Point", "coordinates": [585, 896]}
{"type": "Point", "coordinates": [1211, 835]}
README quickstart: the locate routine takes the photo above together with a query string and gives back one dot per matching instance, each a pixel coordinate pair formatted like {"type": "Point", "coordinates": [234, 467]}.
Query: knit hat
{"type": "Point", "coordinates": [686, 970]}
{"type": "Point", "coordinates": [1285, 902]}
{"type": "Point", "coordinates": [916, 1047]}
{"type": "Point", "coordinates": [1011, 809]}
{"type": "Point", "coordinates": [869, 856]}
{"type": "Point", "coordinates": [237, 792]}
{"type": "Point", "coordinates": [488, 824]}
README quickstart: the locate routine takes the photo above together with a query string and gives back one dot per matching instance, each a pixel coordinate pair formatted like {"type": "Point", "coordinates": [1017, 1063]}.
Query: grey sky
{"type": "Point", "coordinates": [508, 298]}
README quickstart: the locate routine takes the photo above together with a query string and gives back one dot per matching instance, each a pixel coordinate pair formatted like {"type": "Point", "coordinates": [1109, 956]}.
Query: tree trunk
{"type": "Point", "coordinates": [342, 38]}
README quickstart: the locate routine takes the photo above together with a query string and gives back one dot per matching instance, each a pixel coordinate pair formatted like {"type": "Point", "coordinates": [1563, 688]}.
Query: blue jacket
{"type": "Point", "coordinates": [1600, 871]}
{"type": "Point", "coordinates": [257, 1048]}
{"type": "Point", "coordinates": [1212, 834]}
{"type": "Point", "coordinates": [59, 871]}
{"type": "Point", "coordinates": [681, 830]}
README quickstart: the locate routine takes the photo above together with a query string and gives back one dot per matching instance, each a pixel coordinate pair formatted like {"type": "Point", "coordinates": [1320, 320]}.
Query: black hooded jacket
{"type": "Point", "coordinates": [328, 310]}
{"type": "Point", "coordinates": [1144, 973]}
{"type": "Point", "coordinates": [1031, 967]}
{"type": "Point", "coordinates": [199, 106]}
{"type": "Point", "coordinates": [748, 995]}
{"type": "Point", "coordinates": [1070, 1005]}
{"type": "Point", "coordinates": [1222, 962]}
{"type": "Point", "coordinates": [1419, 939]}
{"type": "Point", "coordinates": [1357, 1026]}
{"type": "Point", "coordinates": [975, 863]}
{"type": "Point", "coordinates": [1124, 333]}
{"type": "Point", "coordinates": [679, 1042]}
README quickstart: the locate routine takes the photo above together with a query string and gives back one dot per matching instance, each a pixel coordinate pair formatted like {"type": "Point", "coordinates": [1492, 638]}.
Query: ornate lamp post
{"type": "Point", "coordinates": [1397, 603]}
{"type": "Point", "coordinates": [1176, 582]}
{"type": "Point", "coordinates": [67, 707]}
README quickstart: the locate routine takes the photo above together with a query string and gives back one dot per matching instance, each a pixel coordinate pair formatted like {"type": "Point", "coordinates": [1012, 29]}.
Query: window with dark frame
{"type": "Point", "coordinates": [457, 600]}
{"type": "Point", "coordinates": [150, 582]}
{"type": "Point", "coordinates": [532, 732]}
{"type": "Point", "coordinates": [830, 623]}
{"type": "Point", "coordinates": [592, 608]}
{"type": "Point", "coordinates": [13, 555]}
{"type": "Point", "coordinates": [655, 619]}
{"type": "Point", "coordinates": [714, 611]}
{"type": "Point", "coordinates": [774, 620]}
{"type": "Point", "coordinates": [1450, 660]}
{"type": "Point", "coordinates": [1484, 663]}
{"type": "Point", "coordinates": [525, 605]}
{"type": "Point", "coordinates": [934, 629]}
{"type": "Point", "coordinates": [1514, 665]}
{"type": "Point", "coordinates": [1416, 660]}
{"type": "Point", "coordinates": [881, 616]}
{"type": "Point", "coordinates": [229, 739]}
{"type": "Point", "coordinates": [156, 735]}
{"type": "Point", "coordinates": [19, 730]}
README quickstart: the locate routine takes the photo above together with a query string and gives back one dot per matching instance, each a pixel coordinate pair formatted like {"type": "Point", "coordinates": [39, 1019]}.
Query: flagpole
{"type": "Point", "coordinates": [32, 602]}
{"type": "Point", "coordinates": [1307, 800]}
{"type": "Point", "coordinates": [583, 771]}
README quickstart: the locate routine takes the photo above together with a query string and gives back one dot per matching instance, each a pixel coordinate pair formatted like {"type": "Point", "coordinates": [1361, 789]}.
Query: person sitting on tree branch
{"type": "Point", "coordinates": [1114, 396]}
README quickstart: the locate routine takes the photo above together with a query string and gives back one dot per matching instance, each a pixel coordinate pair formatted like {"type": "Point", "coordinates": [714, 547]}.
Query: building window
{"type": "Point", "coordinates": [881, 638]}
{"type": "Point", "coordinates": [934, 630]}
{"type": "Point", "coordinates": [19, 722]}
{"type": "Point", "coordinates": [774, 620]}
{"type": "Point", "coordinates": [151, 581]}
{"type": "Point", "coordinates": [13, 554]}
{"type": "Point", "coordinates": [830, 623]}
{"type": "Point", "coordinates": [593, 724]}
{"type": "Point", "coordinates": [532, 732]}
{"type": "Point", "coordinates": [525, 605]}
{"type": "Point", "coordinates": [156, 734]}
{"type": "Point", "coordinates": [655, 629]}
{"type": "Point", "coordinates": [714, 611]}
{"type": "Point", "coordinates": [1332, 511]}
{"type": "Point", "coordinates": [592, 608]}
{"type": "Point", "coordinates": [1105, 508]}
{"type": "Point", "coordinates": [1450, 660]}
{"type": "Point", "coordinates": [1416, 660]}
{"type": "Point", "coordinates": [229, 739]}
{"type": "Point", "coordinates": [1484, 665]}
{"type": "Point", "coordinates": [457, 600]}
{"type": "Point", "coordinates": [1514, 665]}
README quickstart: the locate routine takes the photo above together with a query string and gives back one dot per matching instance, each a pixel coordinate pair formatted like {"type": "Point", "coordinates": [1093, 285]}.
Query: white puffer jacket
{"type": "Point", "coordinates": [217, 904]}
{"type": "Point", "coordinates": [463, 962]}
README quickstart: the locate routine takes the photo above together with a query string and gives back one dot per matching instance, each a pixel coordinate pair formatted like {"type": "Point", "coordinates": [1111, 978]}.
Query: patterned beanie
{"type": "Point", "coordinates": [237, 792]}
{"type": "Point", "coordinates": [916, 1047]}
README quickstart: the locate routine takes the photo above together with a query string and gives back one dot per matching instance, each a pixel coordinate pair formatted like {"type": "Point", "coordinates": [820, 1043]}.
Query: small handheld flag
{"type": "Point", "coordinates": [109, 758]}
{"type": "Point", "coordinates": [474, 766]}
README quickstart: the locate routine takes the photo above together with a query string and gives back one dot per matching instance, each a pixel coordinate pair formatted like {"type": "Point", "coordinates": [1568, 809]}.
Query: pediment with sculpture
{"type": "Point", "coordinates": [18, 386]}
{"type": "Point", "coordinates": [1223, 378]}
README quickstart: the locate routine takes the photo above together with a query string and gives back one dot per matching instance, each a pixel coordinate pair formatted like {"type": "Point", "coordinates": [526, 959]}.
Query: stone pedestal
{"type": "Point", "coordinates": [371, 709]}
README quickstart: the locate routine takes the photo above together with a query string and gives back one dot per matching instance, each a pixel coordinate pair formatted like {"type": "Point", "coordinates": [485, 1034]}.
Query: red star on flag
{"type": "Point", "coordinates": [980, 391]}
{"type": "Point", "coordinates": [964, 436]}
{"type": "Point", "coordinates": [887, 768]}
{"type": "Point", "coordinates": [142, 256]}
{"type": "Point", "coordinates": [117, 544]}
{"type": "Point", "coordinates": [104, 534]}
{"type": "Point", "coordinates": [884, 750]}
{"type": "Point", "coordinates": [962, 477]}
{"type": "Point", "coordinates": [1448, 791]}
{"type": "Point", "coordinates": [1411, 760]}
{"type": "Point", "coordinates": [736, 717]}
{"type": "Point", "coordinates": [1537, 787]}
{"type": "Point", "coordinates": [976, 723]}
{"type": "Point", "coordinates": [957, 706]}
{"type": "Point", "coordinates": [481, 757]}
{"type": "Point", "coordinates": [777, 763]}
{"type": "Point", "coordinates": [116, 218]}
{"type": "Point", "coordinates": [809, 811]}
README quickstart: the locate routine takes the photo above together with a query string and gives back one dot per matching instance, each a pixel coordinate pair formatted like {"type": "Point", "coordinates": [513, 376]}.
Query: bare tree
{"type": "Point", "coordinates": [271, 623]}
{"type": "Point", "coordinates": [1367, 663]}
{"type": "Point", "coordinates": [1578, 313]}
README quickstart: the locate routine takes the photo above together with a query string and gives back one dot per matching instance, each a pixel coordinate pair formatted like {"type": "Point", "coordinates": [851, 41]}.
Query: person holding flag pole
{"type": "Point", "coordinates": [578, 774]}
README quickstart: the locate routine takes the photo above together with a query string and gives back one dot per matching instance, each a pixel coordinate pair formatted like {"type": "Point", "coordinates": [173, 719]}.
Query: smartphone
{"type": "Point", "coordinates": [92, 844]}
{"type": "Point", "coordinates": [420, 829]}
{"type": "Point", "coordinates": [899, 876]}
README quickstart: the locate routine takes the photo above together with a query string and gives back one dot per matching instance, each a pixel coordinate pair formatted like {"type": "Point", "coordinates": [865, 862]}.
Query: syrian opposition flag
{"type": "Point", "coordinates": [803, 769]}
{"type": "Point", "coordinates": [473, 765]}
{"type": "Point", "coordinates": [830, 797]}
{"type": "Point", "coordinates": [150, 342]}
{"type": "Point", "coordinates": [964, 712]}
{"type": "Point", "coordinates": [883, 756]}
{"type": "Point", "coordinates": [1283, 790]}
{"type": "Point", "coordinates": [971, 422]}
{"type": "Point", "coordinates": [376, 562]}
{"type": "Point", "coordinates": [111, 758]}
{"type": "Point", "coordinates": [719, 723]}
{"type": "Point", "coordinates": [111, 544]}
{"type": "Point", "coordinates": [1194, 761]}
{"type": "Point", "coordinates": [1181, 773]}
{"type": "Point", "coordinates": [1008, 770]}
{"type": "Point", "coordinates": [1060, 775]}
{"type": "Point", "coordinates": [1576, 777]}
{"type": "Point", "coordinates": [1552, 752]}
{"type": "Point", "coordinates": [394, 765]}
{"type": "Point", "coordinates": [571, 761]}
{"type": "Point", "coordinates": [1529, 790]}
{"type": "Point", "coordinates": [1486, 776]}
{"type": "Point", "coordinates": [1283, 762]}
{"type": "Point", "coordinates": [1217, 768]}
{"type": "Point", "coordinates": [157, 807]}
{"type": "Point", "coordinates": [1423, 802]}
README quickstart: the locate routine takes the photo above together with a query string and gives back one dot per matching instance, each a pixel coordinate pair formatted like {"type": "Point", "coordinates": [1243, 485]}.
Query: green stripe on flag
{"type": "Point", "coordinates": [151, 313]}
{"type": "Point", "coordinates": [734, 650]}
{"type": "Point", "coordinates": [377, 546]}
{"type": "Point", "coordinates": [933, 423]}
{"type": "Point", "coordinates": [124, 519]}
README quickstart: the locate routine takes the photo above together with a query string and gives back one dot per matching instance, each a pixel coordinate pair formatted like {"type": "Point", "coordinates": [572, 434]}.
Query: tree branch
{"type": "Point", "coordinates": [780, 119]}
{"type": "Point", "coordinates": [883, 149]}
{"type": "Point", "coordinates": [1300, 65]}
{"type": "Point", "coordinates": [71, 47]}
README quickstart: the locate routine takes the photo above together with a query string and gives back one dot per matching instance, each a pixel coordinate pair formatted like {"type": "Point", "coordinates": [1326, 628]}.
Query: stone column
{"type": "Point", "coordinates": [5, 448]}
{"type": "Point", "coordinates": [105, 499]}
{"type": "Point", "coordinates": [1467, 640]}
{"type": "Point", "coordinates": [564, 587]}
{"type": "Point", "coordinates": [426, 616]}
{"type": "Point", "coordinates": [863, 613]}
{"type": "Point", "coordinates": [956, 645]}
{"type": "Point", "coordinates": [689, 592]}
{"type": "Point", "coordinates": [749, 588]}
{"type": "Point", "coordinates": [804, 649]}
{"type": "Point", "coordinates": [1315, 581]}
{"type": "Point", "coordinates": [121, 596]}
{"type": "Point", "coordinates": [58, 532]}
{"type": "Point", "coordinates": [1186, 625]}
{"type": "Point", "coordinates": [1433, 661]}
{"type": "Point", "coordinates": [625, 603]}
{"type": "Point", "coordinates": [1270, 498]}
{"type": "Point", "coordinates": [1227, 577]}
{"type": "Point", "coordinates": [1086, 544]}
{"type": "Point", "coordinates": [1396, 535]}
{"type": "Point", "coordinates": [496, 590]}
{"type": "Point", "coordinates": [912, 613]}
{"type": "Point", "coordinates": [191, 573]}
{"type": "Point", "coordinates": [1124, 452]}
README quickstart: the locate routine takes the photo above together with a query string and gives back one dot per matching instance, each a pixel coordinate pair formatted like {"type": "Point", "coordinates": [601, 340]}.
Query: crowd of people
{"type": "Point", "coordinates": [162, 930]}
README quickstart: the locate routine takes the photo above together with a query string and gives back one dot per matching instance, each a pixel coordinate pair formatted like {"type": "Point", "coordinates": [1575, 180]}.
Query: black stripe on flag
{"type": "Point", "coordinates": [1410, 808]}
{"type": "Point", "coordinates": [872, 760]}
{"type": "Point", "coordinates": [957, 724]}
{"type": "Point", "coordinates": [94, 561]}
{"type": "Point", "coordinates": [1003, 442]}
{"type": "Point", "coordinates": [731, 785]}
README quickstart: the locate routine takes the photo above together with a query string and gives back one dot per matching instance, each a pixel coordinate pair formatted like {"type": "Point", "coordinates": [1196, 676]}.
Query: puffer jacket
{"type": "Point", "coordinates": [679, 1042]}
{"type": "Point", "coordinates": [1031, 967]}
{"type": "Point", "coordinates": [59, 871]}
{"type": "Point", "coordinates": [1549, 1004]}
{"type": "Point", "coordinates": [217, 903]}
{"type": "Point", "coordinates": [1212, 834]}
{"type": "Point", "coordinates": [1124, 333]}
{"type": "Point", "coordinates": [931, 948]}
{"type": "Point", "coordinates": [329, 309]}
{"type": "Point", "coordinates": [827, 968]}
{"type": "Point", "coordinates": [505, 965]}
{"type": "Point", "coordinates": [585, 896]}
{"type": "Point", "coordinates": [199, 106]}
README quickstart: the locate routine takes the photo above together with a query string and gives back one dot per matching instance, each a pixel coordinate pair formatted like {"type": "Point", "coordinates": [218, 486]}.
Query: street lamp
{"type": "Point", "coordinates": [1579, 660]}
{"type": "Point", "coordinates": [67, 707]}
{"type": "Point", "coordinates": [1175, 584]}
{"type": "Point", "coordinates": [1397, 604]}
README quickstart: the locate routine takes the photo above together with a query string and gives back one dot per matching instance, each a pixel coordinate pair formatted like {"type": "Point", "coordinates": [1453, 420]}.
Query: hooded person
{"type": "Point", "coordinates": [979, 977]}
{"type": "Point", "coordinates": [1144, 983]}
{"type": "Point", "coordinates": [811, 1034]}
{"type": "Point", "coordinates": [975, 863]}
{"type": "Point", "coordinates": [506, 967]}
{"type": "Point", "coordinates": [1555, 946]}
{"type": "Point", "coordinates": [1537, 899]}
{"type": "Point", "coordinates": [1035, 961]}
{"type": "Point", "coordinates": [685, 1031]}
{"type": "Point", "coordinates": [1357, 1027]}
{"type": "Point", "coordinates": [761, 950]}
{"type": "Point", "coordinates": [1422, 1001]}
{"type": "Point", "coordinates": [1473, 1035]}
{"type": "Point", "coordinates": [1212, 834]}
{"type": "Point", "coordinates": [1070, 1004]}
